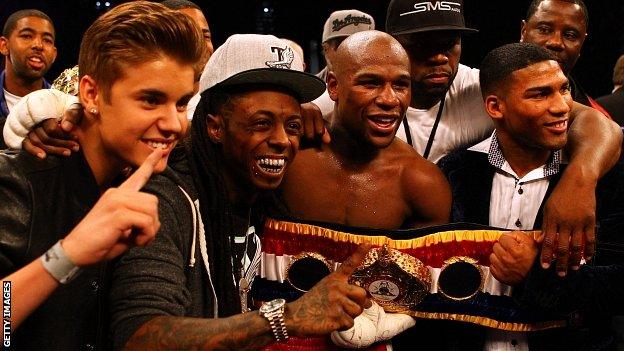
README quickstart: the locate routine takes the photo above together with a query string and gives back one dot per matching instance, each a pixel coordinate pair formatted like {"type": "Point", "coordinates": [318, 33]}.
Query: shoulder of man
{"type": "Point", "coordinates": [466, 78]}
{"type": "Point", "coordinates": [409, 158]}
{"type": "Point", "coordinates": [402, 152]}
{"type": "Point", "coordinates": [154, 280]}
{"type": "Point", "coordinates": [174, 181]}
{"type": "Point", "coordinates": [460, 159]}
{"type": "Point", "coordinates": [27, 163]}
{"type": "Point", "coordinates": [177, 203]}
{"type": "Point", "coordinates": [416, 170]}
{"type": "Point", "coordinates": [23, 182]}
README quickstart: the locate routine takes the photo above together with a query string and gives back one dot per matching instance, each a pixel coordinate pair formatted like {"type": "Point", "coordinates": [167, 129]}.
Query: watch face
{"type": "Point", "coordinates": [272, 305]}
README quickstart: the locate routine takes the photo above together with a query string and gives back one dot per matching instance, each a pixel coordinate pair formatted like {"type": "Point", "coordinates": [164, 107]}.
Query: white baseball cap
{"type": "Point", "coordinates": [346, 22]}
{"type": "Point", "coordinates": [246, 59]}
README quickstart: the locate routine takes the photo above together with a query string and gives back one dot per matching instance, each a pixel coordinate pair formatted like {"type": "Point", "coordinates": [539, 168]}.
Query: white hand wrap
{"type": "Point", "coordinates": [33, 109]}
{"type": "Point", "coordinates": [373, 325]}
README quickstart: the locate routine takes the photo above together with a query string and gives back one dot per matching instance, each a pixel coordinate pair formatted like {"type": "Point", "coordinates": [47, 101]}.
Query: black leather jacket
{"type": "Point", "coordinates": [40, 202]}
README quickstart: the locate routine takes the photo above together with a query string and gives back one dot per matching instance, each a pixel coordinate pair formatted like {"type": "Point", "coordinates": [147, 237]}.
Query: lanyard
{"type": "Point", "coordinates": [408, 133]}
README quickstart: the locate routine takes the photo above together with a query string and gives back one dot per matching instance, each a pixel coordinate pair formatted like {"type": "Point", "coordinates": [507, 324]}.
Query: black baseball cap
{"type": "Point", "coordinates": [415, 16]}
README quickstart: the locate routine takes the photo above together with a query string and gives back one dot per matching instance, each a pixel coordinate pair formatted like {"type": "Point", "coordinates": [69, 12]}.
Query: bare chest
{"type": "Point", "coordinates": [370, 198]}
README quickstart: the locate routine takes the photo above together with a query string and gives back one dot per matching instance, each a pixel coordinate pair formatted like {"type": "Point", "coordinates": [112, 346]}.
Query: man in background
{"type": "Point", "coordinates": [614, 102]}
{"type": "Point", "coordinates": [27, 44]}
{"type": "Point", "coordinates": [195, 13]}
{"type": "Point", "coordinates": [337, 28]}
{"type": "Point", "coordinates": [298, 49]}
{"type": "Point", "coordinates": [560, 26]}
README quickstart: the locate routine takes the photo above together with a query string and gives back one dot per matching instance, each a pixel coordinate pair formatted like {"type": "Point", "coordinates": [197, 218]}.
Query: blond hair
{"type": "Point", "coordinates": [137, 32]}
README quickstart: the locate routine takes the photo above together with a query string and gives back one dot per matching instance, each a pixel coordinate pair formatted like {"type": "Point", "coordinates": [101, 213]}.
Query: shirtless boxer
{"type": "Point", "coordinates": [365, 176]}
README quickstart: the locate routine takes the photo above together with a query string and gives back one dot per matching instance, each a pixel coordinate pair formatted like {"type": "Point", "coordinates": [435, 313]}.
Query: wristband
{"type": "Point", "coordinates": [56, 262]}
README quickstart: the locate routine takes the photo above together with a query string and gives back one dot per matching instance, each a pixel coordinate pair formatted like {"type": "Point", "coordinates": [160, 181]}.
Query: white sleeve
{"type": "Point", "coordinates": [33, 109]}
{"type": "Point", "coordinates": [324, 103]}
{"type": "Point", "coordinates": [475, 121]}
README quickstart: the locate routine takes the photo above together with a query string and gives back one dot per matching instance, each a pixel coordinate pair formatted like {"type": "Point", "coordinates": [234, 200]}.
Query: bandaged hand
{"type": "Point", "coordinates": [33, 109]}
{"type": "Point", "coordinates": [372, 326]}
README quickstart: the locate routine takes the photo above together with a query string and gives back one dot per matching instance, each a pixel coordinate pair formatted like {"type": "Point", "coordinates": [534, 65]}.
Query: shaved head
{"type": "Point", "coordinates": [367, 47]}
{"type": "Point", "coordinates": [370, 83]}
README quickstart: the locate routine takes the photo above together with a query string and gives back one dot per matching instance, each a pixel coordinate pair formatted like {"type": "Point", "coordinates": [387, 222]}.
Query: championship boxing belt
{"type": "Point", "coordinates": [68, 81]}
{"type": "Point", "coordinates": [433, 273]}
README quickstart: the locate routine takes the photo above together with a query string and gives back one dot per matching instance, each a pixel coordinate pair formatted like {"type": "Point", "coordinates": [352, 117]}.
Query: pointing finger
{"type": "Point", "coordinates": [140, 177]}
{"type": "Point", "coordinates": [350, 264]}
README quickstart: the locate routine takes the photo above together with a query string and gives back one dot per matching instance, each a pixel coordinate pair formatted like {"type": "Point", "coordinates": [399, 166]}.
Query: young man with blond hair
{"type": "Point", "coordinates": [62, 218]}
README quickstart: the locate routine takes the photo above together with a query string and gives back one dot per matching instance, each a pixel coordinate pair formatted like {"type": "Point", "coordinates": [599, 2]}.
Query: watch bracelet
{"type": "Point", "coordinates": [278, 325]}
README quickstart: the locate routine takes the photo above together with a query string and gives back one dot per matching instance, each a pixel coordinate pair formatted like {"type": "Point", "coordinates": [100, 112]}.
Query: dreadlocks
{"type": "Point", "coordinates": [206, 160]}
{"type": "Point", "coordinates": [206, 163]}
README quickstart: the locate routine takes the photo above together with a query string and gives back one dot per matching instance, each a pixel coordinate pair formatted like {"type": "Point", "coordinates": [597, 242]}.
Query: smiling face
{"type": "Point", "coordinates": [144, 110]}
{"type": "Point", "coordinates": [434, 58]}
{"type": "Point", "coordinates": [534, 109]}
{"type": "Point", "coordinates": [560, 27]}
{"type": "Point", "coordinates": [372, 90]}
{"type": "Point", "coordinates": [259, 137]}
{"type": "Point", "coordinates": [29, 49]}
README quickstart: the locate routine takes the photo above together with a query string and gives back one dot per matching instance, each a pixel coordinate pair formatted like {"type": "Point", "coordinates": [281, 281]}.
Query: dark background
{"type": "Point", "coordinates": [302, 21]}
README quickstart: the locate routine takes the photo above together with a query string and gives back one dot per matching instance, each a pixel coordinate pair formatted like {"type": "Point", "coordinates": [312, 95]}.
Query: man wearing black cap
{"type": "Point", "coordinates": [446, 114]}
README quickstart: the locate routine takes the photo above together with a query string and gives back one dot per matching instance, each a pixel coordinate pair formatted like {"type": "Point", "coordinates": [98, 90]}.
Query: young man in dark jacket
{"type": "Point", "coordinates": [60, 216]}
{"type": "Point", "coordinates": [503, 181]}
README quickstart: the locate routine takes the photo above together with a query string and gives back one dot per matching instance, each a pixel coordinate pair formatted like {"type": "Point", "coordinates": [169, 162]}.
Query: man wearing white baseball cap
{"type": "Point", "coordinates": [172, 294]}
{"type": "Point", "coordinates": [339, 25]}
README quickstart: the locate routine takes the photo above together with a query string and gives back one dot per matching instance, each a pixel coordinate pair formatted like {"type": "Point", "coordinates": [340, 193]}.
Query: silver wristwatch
{"type": "Point", "coordinates": [274, 312]}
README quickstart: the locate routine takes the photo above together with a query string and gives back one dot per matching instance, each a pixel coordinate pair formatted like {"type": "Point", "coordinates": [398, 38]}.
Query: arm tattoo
{"type": "Point", "coordinates": [243, 332]}
{"type": "Point", "coordinates": [311, 315]}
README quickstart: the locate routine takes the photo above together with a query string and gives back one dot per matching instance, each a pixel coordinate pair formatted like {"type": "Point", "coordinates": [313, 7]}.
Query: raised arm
{"type": "Point", "coordinates": [42, 116]}
{"type": "Point", "coordinates": [330, 305]}
{"type": "Point", "coordinates": [594, 146]}
{"type": "Point", "coordinates": [42, 122]}
{"type": "Point", "coordinates": [122, 217]}
{"type": "Point", "coordinates": [155, 298]}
